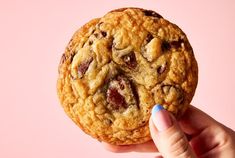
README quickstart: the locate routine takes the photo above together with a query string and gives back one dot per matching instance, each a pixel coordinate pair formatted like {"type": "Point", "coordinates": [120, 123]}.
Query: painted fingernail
{"type": "Point", "coordinates": [161, 118]}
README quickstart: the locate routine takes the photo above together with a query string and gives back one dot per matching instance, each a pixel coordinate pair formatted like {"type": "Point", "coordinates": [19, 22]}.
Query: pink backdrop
{"type": "Point", "coordinates": [33, 35]}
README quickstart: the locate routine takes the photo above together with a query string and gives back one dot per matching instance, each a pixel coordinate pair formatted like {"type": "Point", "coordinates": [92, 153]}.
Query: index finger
{"type": "Point", "coordinates": [194, 120]}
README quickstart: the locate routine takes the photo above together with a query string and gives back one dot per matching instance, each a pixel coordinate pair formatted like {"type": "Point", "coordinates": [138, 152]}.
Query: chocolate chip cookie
{"type": "Point", "coordinates": [117, 67]}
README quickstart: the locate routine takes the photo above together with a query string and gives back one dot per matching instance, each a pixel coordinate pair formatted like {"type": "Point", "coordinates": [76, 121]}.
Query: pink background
{"type": "Point", "coordinates": [33, 35]}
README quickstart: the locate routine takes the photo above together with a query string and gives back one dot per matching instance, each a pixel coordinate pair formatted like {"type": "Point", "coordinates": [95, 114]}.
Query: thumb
{"type": "Point", "coordinates": [167, 135]}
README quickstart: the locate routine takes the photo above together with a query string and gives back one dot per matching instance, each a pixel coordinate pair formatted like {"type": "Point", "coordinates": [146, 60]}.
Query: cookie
{"type": "Point", "coordinates": [117, 67]}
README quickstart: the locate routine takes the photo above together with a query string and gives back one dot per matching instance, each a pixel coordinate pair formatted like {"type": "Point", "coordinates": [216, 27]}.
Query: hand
{"type": "Point", "coordinates": [195, 135]}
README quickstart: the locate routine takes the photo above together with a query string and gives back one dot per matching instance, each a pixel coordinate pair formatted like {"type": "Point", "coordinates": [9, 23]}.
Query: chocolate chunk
{"type": "Point", "coordinates": [90, 42]}
{"type": "Point", "coordinates": [120, 91]}
{"type": "Point", "coordinates": [161, 69]}
{"type": "Point", "coordinates": [99, 34]}
{"type": "Point", "coordinates": [115, 99]}
{"type": "Point", "coordinates": [96, 35]}
{"type": "Point", "coordinates": [104, 34]}
{"type": "Point", "coordinates": [82, 68]}
{"type": "Point", "coordinates": [151, 13]}
{"type": "Point", "coordinates": [149, 37]}
{"type": "Point", "coordinates": [165, 46]}
{"type": "Point", "coordinates": [130, 60]}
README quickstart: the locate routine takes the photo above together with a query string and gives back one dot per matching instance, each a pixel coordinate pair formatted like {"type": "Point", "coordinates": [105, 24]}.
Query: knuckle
{"type": "Point", "coordinates": [224, 136]}
{"type": "Point", "coordinates": [179, 146]}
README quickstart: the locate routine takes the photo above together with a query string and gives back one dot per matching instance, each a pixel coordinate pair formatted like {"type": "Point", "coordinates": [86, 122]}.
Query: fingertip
{"type": "Point", "coordinates": [157, 108]}
{"type": "Point", "coordinates": [161, 118]}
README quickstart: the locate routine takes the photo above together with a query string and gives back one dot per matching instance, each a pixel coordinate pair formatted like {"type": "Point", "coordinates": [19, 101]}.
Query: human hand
{"type": "Point", "coordinates": [195, 135]}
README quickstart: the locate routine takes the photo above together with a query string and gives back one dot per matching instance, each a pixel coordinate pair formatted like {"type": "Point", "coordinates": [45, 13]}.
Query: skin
{"type": "Point", "coordinates": [206, 137]}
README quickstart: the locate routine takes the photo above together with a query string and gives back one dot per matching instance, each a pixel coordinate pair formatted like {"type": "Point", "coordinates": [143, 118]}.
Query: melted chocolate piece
{"type": "Point", "coordinates": [90, 42]}
{"type": "Point", "coordinates": [96, 35]}
{"type": "Point", "coordinates": [130, 60]}
{"type": "Point", "coordinates": [82, 68]}
{"type": "Point", "coordinates": [115, 99]}
{"type": "Point", "coordinates": [104, 34]}
{"type": "Point", "coordinates": [165, 46]}
{"type": "Point", "coordinates": [117, 91]}
{"type": "Point", "coordinates": [172, 44]}
{"type": "Point", "coordinates": [151, 13]}
{"type": "Point", "coordinates": [176, 44]}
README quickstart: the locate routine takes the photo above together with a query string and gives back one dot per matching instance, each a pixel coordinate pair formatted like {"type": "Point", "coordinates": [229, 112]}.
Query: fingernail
{"type": "Point", "coordinates": [161, 118]}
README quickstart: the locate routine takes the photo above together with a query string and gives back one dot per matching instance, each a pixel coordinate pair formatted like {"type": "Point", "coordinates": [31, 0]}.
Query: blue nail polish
{"type": "Point", "coordinates": [157, 108]}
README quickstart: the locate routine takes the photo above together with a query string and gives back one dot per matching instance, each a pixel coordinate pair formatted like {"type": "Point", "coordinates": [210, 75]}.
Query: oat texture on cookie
{"type": "Point", "coordinates": [117, 67]}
